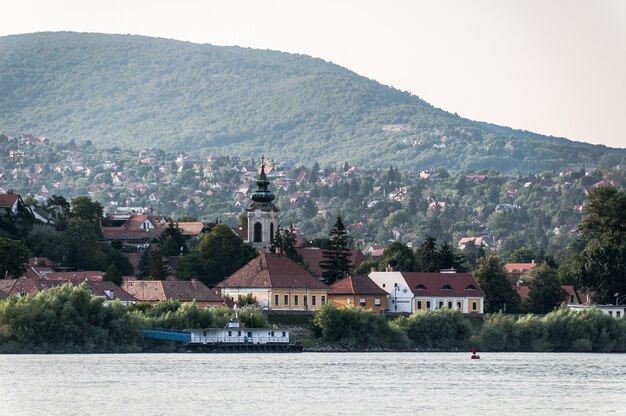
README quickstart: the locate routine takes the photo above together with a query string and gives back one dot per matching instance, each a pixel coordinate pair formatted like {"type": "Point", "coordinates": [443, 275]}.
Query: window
{"type": "Point", "coordinates": [286, 300]}
{"type": "Point", "coordinates": [230, 333]}
{"type": "Point", "coordinates": [276, 300]}
{"type": "Point", "coordinates": [296, 300]}
{"type": "Point", "coordinates": [419, 305]}
{"type": "Point", "coordinates": [571, 298]}
{"type": "Point", "coordinates": [323, 299]}
{"type": "Point", "coordinates": [474, 306]}
{"type": "Point", "coordinates": [204, 333]}
{"type": "Point", "coordinates": [450, 304]}
{"type": "Point", "coordinates": [284, 334]}
{"type": "Point", "coordinates": [313, 300]}
{"type": "Point", "coordinates": [258, 232]}
{"type": "Point", "coordinates": [440, 304]}
{"type": "Point", "coordinates": [272, 333]}
{"type": "Point", "coordinates": [383, 285]}
{"type": "Point", "coordinates": [306, 301]}
{"type": "Point", "coordinates": [238, 333]}
{"type": "Point", "coordinates": [376, 301]}
{"type": "Point", "coordinates": [610, 313]}
{"type": "Point", "coordinates": [427, 304]}
{"type": "Point", "coordinates": [271, 231]}
{"type": "Point", "coordinates": [420, 287]}
{"type": "Point", "coordinates": [446, 287]}
{"type": "Point", "coordinates": [362, 302]}
{"type": "Point", "coordinates": [617, 314]}
{"type": "Point", "coordinates": [458, 305]}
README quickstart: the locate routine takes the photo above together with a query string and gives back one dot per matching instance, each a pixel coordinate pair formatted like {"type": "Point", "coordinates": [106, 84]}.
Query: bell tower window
{"type": "Point", "coordinates": [258, 232]}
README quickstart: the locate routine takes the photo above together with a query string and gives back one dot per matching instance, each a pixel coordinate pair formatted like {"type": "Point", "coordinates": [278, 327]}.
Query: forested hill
{"type": "Point", "coordinates": [132, 91]}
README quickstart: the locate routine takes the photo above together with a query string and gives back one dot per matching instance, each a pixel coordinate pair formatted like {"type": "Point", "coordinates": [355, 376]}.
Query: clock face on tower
{"type": "Point", "coordinates": [257, 213]}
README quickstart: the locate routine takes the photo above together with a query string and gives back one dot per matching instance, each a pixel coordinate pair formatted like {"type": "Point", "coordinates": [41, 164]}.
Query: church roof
{"type": "Point", "coordinates": [269, 270]}
{"type": "Point", "coordinates": [262, 198]}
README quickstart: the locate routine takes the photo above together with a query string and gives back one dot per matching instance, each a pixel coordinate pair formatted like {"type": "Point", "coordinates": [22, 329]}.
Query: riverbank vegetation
{"type": "Point", "coordinates": [446, 330]}
{"type": "Point", "coordinates": [69, 319]}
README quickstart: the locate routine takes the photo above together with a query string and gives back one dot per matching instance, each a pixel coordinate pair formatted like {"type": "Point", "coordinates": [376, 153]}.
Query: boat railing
{"type": "Point", "coordinates": [239, 340]}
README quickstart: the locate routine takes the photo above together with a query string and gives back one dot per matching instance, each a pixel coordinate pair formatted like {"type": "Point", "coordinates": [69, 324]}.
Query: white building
{"type": "Point", "coordinates": [398, 292]}
{"type": "Point", "coordinates": [234, 334]}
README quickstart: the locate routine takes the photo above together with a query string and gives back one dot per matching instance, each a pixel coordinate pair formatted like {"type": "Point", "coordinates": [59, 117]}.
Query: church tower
{"type": "Point", "coordinates": [262, 214]}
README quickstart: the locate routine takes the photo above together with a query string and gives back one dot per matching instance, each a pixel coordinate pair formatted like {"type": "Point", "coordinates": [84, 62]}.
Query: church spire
{"type": "Point", "coordinates": [263, 197]}
{"type": "Point", "coordinates": [262, 214]}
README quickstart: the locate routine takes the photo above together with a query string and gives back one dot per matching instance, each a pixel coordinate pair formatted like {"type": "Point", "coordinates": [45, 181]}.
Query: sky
{"type": "Point", "coordinates": [556, 67]}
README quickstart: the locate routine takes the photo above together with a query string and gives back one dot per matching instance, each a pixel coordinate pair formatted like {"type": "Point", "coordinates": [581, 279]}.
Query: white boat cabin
{"type": "Point", "coordinates": [234, 334]}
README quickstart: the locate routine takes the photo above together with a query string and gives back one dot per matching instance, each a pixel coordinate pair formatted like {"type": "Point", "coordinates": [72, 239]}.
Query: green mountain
{"type": "Point", "coordinates": [132, 91]}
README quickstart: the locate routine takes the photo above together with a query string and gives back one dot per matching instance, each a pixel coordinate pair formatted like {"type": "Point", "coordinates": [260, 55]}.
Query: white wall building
{"type": "Point", "coordinates": [398, 292]}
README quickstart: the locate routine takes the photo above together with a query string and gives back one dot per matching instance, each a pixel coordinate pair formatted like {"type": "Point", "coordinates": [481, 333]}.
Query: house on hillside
{"type": "Point", "coordinates": [478, 242]}
{"type": "Point", "coordinates": [518, 270]}
{"type": "Point", "coordinates": [136, 230]}
{"type": "Point", "coordinates": [184, 291]}
{"type": "Point", "coordinates": [10, 205]}
{"type": "Point", "coordinates": [358, 291]}
{"type": "Point", "coordinates": [277, 283]}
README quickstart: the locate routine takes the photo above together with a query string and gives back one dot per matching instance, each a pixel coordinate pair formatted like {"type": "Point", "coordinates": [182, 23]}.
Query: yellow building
{"type": "Point", "coordinates": [277, 283]}
{"type": "Point", "coordinates": [358, 291]}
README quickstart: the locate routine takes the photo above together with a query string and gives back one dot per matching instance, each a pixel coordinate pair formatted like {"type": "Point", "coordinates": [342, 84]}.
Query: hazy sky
{"type": "Point", "coordinates": [554, 67]}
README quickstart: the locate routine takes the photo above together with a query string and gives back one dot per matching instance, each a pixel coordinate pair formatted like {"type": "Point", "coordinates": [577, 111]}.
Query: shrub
{"type": "Point", "coordinates": [440, 329]}
{"type": "Point", "coordinates": [356, 328]}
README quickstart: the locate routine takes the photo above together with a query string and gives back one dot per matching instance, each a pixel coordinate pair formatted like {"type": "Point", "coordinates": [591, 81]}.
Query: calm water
{"type": "Point", "coordinates": [313, 384]}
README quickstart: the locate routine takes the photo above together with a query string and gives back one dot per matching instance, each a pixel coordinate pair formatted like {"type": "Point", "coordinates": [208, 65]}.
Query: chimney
{"type": "Point", "coordinates": [373, 269]}
{"type": "Point", "coordinates": [532, 261]}
{"type": "Point", "coordinates": [389, 268]}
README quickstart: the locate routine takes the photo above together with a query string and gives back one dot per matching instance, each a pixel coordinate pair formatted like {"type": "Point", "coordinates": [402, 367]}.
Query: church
{"type": "Point", "coordinates": [262, 214]}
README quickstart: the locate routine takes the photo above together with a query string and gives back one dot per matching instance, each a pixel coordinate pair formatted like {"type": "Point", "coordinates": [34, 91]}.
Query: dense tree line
{"type": "Point", "coordinates": [446, 330]}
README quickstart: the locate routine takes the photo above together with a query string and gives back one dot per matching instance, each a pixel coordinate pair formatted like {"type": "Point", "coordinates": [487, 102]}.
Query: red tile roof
{"type": "Point", "coordinates": [191, 227]}
{"type": "Point", "coordinates": [520, 268]}
{"type": "Point", "coordinates": [98, 288]}
{"type": "Point", "coordinates": [181, 290]}
{"type": "Point", "coordinates": [7, 200]}
{"type": "Point", "coordinates": [356, 285]}
{"type": "Point", "coordinates": [523, 291]}
{"type": "Point", "coordinates": [313, 256]}
{"type": "Point", "coordinates": [443, 284]}
{"type": "Point", "coordinates": [83, 276]}
{"type": "Point", "coordinates": [270, 270]}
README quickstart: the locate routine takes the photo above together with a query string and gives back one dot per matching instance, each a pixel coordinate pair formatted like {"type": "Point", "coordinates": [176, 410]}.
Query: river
{"type": "Point", "coordinates": [313, 384]}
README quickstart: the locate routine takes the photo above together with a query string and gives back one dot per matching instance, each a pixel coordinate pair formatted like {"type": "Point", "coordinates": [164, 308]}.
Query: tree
{"type": "Point", "coordinates": [223, 253]}
{"type": "Point", "coordinates": [522, 255]}
{"type": "Point", "coordinates": [427, 255]}
{"type": "Point", "coordinates": [285, 243]}
{"type": "Point", "coordinates": [499, 294]}
{"type": "Point", "coordinates": [449, 259]}
{"type": "Point", "coordinates": [398, 256]}
{"type": "Point", "coordinates": [336, 263]}
{"type": "Point", "coordinates": [546, 292]}
{"type": "Point", "coordinates": [84, 208]}
{"type": "Point", "coordinates": [83, 249]}
{"type": "Point", "coordinates": [152, 264]}
{"type": "Point", "coordinates": [113, 275]}
{"type": "Point", "coordinates": [601, 266]}
{"type": "Point", "coordinates": [58, 206]}
{"type": "Point", "coordinates": [13, 258]}
{"type": "Point", "coordinates": [120, 261]}
{"type": "Point", "coordinates": [172, 241]}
